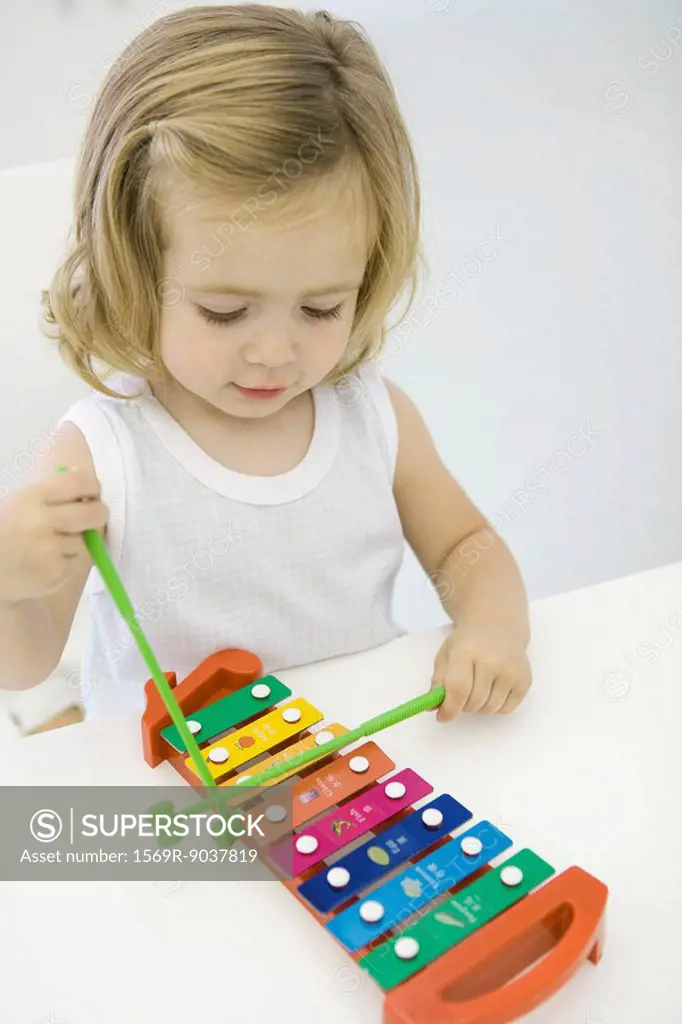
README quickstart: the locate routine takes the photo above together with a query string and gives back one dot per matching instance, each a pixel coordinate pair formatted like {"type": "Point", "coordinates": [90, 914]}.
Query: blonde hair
{"type": "Point", "coordinates": [225, 96]}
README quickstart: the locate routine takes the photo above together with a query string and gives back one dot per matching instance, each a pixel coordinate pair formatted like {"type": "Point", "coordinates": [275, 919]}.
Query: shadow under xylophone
{"type": "Point", "coordinates": [494, 944]}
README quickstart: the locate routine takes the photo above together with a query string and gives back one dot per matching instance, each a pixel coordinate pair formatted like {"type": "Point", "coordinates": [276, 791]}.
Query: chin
{"type": "Point", "coordinates": [249, 411]}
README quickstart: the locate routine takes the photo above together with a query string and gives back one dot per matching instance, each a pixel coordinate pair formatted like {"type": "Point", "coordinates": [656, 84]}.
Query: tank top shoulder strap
{"type": "Point", "coordinates": [371, 383]}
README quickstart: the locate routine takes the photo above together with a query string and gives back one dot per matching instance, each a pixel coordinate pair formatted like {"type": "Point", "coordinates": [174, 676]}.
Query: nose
{"type": "Point", "coordinates": [273, 350]}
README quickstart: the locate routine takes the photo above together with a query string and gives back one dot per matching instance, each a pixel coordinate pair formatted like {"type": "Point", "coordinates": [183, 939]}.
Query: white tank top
{"type": "Point", "coordinates": [296, 567]}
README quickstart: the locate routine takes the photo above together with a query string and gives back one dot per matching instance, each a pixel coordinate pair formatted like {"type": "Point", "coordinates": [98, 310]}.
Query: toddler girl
{"type": "Point", "coordinates": [246, 216]}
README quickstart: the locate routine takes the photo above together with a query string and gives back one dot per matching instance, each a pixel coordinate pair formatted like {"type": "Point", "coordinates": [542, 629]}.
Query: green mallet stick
{"type": "Point", "coordinates": [119, 595]}
{"type": "Point", "coordinates": [424, 702]}
{"type": "Point", "coordinates": [431, 699]}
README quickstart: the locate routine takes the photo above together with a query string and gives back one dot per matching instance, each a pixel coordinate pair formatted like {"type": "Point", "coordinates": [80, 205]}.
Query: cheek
{"type": "Point", "coordinates": [331, 339]}
{"type": "Point", "coordinates": [189, 349]}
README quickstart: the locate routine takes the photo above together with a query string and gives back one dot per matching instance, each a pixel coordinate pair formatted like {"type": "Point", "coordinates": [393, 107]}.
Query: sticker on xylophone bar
{"type": "Point", "coordinates": [214, 719]}
{"type": "Point", "coordinates": [450, 922]}
{"type": "Point", "coordinates": [404, 894]}
{"type": "Point", "coordinates": [315, 794]}
{"type": "Point", "coordinates": [386, 851]}
{"type": "Point", "coordinates": [347, 823]}
{"type": "Point", "coordinates": [241, 746]}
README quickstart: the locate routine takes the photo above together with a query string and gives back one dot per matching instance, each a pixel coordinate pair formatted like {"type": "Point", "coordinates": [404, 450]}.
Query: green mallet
{"type": "Point", "coordinates": [119, 595]}
{"type": "Point", "coordinates": [423, 702]}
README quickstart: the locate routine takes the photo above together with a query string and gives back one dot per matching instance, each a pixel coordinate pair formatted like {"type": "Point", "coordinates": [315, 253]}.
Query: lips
{"type": "Point", "coordinates": [259, 392]}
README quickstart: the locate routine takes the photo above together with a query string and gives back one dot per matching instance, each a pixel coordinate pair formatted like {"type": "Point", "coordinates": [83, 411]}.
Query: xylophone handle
{"type": "Point", "coordinates": [218, 675]}
{"type": "Point", "coordinates": [478, 982]}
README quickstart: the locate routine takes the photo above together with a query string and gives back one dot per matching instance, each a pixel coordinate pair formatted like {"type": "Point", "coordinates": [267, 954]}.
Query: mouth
{"type": "Point", "coordinates": [260, 392]}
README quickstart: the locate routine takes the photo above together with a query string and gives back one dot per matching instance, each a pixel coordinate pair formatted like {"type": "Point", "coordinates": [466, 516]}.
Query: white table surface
{"type": "Point", "coordinates": [587, 771]}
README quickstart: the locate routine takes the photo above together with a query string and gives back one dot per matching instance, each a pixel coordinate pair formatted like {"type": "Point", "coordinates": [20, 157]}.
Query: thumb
{"type": "Point", "coordinates": [438, 676]}
{"type": "Point", "coordinates": [457, 676]}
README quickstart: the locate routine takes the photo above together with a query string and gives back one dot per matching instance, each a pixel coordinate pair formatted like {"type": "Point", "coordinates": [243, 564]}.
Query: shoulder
{"type": "Point", "coordinates": [403, 407]}
{"type": "Point", "coordinates": [99, 433]}
{"type": "Point", "coordinates": [435, 511]}
{"type": "Point", "coordinates": [67, 447]}
{"type": "Point", "coordinates": [110, 425]}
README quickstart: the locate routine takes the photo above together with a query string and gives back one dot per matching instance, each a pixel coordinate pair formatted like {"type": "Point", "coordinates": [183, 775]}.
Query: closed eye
{"type": "Point", "coordinates": [220, 318]}
{"type": "Point", "coordinates": [234, 315]}
{"type": "Point", "coordinates": [323, 314]}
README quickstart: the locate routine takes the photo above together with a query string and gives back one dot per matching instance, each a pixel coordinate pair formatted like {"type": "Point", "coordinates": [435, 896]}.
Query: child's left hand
{"type": "Point", "coordinates": [484, 669]}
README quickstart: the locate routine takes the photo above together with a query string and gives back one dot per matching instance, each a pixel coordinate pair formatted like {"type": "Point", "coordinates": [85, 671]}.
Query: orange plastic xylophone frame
{"type": "Point", "coordinates": [500, 972]}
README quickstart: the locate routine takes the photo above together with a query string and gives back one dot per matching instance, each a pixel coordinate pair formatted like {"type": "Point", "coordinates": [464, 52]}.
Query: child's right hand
{"type": "Point", "coordinates": [41, 527]}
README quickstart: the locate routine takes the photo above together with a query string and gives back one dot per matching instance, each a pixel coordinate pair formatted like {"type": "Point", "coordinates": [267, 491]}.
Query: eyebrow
{"type": "Point", "coordinates": [228, 289]}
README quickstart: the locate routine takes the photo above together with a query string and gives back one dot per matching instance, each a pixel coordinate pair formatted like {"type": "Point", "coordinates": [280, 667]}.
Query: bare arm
{"type": "Point", "coordinates": [470, 566]}
{"type": "Point", "coordinates": [44, 561]}
{"type": "Point", "coordinates": [483, 664]}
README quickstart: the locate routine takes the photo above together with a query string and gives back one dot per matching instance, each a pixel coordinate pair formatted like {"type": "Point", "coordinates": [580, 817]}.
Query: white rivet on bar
{"type": "Point", "coordinates": [194, 727]}
{"type": "Point", "coordinates": [371, 911]}
{"type": "Point", "coordinates": [260, 691]}
{"type": "Point", "coordinates": [218, 755]}
{"type": "Point", "coordinates": [471, 845]}
{"type": "Point", "coordinates": [432, 817]}
{"type": "Point", "coordinates": [323, 737]}
{"type": "Point", "coordinates": [511, 876]}
{"type": "Point", "coordinates": [406, 948]}
{"type": "Point", "coordinates": [291, 714]}
{"type": "Point", "coordinates": [358, 764]}
{"type": "Point", "coordinates": [276, 813]}
{"type": "Point", "coordinates": [306, 844]}
{"type": "Point", "coordinates": [338, 878]}
{"type": "Point", "coordinates": [394, 790]}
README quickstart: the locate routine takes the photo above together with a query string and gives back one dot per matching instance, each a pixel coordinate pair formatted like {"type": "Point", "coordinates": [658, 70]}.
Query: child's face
{"type": "Point", "coordinates": [249, 303]}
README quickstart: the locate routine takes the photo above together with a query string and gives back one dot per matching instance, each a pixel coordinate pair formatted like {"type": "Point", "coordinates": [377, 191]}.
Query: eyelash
{"type": "Point", "coordinates": [229, 318]}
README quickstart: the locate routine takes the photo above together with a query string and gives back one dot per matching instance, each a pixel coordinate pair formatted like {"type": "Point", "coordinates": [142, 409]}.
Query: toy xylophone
{"type": "Point", "coordinates": [449, 937]}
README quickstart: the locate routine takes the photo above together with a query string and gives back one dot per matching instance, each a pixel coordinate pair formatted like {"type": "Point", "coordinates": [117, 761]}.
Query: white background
{"type": "Point", "coordinates": [575, 324]}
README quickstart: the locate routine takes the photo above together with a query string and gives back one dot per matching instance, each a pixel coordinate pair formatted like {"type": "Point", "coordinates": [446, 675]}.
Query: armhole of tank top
{"type": "Point", "coordinates": [106, 444]}
{"type": "Point", "coordinates": [378, 392]}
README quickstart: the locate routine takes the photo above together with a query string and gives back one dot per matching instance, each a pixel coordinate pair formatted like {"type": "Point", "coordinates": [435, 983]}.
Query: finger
{"type": "Point", "coordinates": [511, 703]}
{"type": "Point", "coordinates": [74, 485]}
{"type": "Point", "coordinates": [439, 665]}
{"type": "Point", "coordinates": [458, 681]}
{"type": "Point", "coordinates": [71, 545]}
{"type": "Point", "coordinates": [77, 516]}
{"type": "Point", "coordinates": [484, 677]}
{"type": "Point", "coordinates": [499, 692]}
{"type": "Point", "coordinates": [516, 695]}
